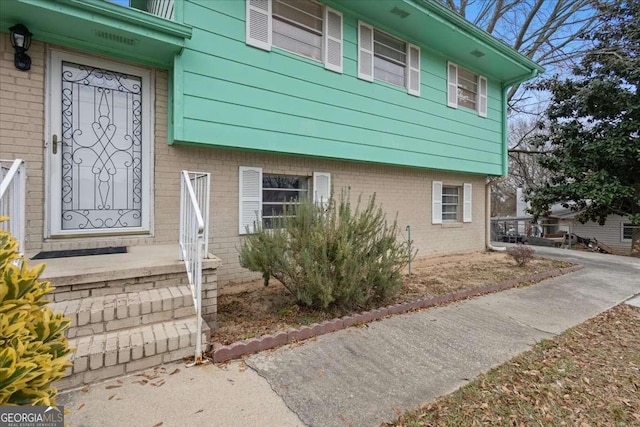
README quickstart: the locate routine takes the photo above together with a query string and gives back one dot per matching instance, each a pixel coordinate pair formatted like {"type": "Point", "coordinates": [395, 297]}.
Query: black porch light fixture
{"type": "Point", "coordinates": [21, 40]}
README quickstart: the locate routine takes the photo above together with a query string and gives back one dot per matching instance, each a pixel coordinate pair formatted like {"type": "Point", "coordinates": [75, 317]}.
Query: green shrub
{"type": "Point", "coordinates": [335, 255]}
{"type": "Point", "coordinates": [33, 347]}
{"type": "Point", "coordinates": [521, 254]}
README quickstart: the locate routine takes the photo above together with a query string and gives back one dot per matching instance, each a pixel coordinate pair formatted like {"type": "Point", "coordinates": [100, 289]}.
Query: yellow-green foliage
{"type": "Point", "coordinates": [33, 348]}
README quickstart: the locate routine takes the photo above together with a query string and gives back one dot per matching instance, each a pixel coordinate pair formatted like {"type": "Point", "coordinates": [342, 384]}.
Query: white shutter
{"type": "Point", "coordinates": [258, 25]}
{"type": "Point", "coordinates": [436, 203]}
{"type": "Point", "coordinates": [482, 91]}
{"type": "Point", "coordinates": [321, 188]}
{"type": "Point", "coordinates": [250, 191]}
{"type": "Point", "coordinates": [466, 211]}
{"type": "Point", "coordinates": [333, 40]}
{"type": "Point", "coordinates": [413, 70]}
{"type": "Point", "coordinates": [365, 51]}
{"type": "Point", "coordinates": [452, 85]}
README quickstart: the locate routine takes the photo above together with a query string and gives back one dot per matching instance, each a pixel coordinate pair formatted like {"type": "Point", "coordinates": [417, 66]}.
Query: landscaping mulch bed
{"type": "Point", "coordinates": [588, 376]}
{"type": "Point", "coordinates": [266, 310]}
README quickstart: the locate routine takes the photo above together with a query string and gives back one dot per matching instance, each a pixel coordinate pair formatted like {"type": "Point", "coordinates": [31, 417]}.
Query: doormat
{"type": "Point", "coordinates": [81, 252]}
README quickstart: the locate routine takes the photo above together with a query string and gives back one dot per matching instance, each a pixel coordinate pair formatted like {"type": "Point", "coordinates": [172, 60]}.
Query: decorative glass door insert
{"type": "Point", "coordinates": [99, 148]}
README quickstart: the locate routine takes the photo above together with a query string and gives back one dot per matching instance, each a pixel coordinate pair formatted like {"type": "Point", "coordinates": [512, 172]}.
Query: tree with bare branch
{"type": "Point", "coordinates": [545, 31]}
{"type": "Point", "coordinates": [549, 32]}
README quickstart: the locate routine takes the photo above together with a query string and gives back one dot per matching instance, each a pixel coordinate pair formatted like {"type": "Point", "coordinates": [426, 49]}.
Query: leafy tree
{"type": "Point", "coordinates": [593, 121]}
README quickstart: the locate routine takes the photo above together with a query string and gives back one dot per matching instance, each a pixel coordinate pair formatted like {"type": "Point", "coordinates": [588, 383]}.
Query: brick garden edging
{"type": "Point", "coordinates": [223, 353]}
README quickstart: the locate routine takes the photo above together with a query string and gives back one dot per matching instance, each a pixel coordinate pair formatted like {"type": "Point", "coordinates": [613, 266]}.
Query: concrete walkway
{"type": "Point", "coordinates": [359, 376]}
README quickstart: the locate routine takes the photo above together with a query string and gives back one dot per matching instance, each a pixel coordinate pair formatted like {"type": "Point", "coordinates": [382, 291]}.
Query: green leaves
{"type": "Point", "coordinates": [593, 124]}
{"type": "Point", "coordinates": [341, 255]}
{"type": "Point", "coordinates": [33, 348]}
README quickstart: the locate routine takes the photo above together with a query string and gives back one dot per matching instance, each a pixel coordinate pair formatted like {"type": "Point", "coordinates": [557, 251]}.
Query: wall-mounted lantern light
{"type": "Point", "coordinates": [21, 40]}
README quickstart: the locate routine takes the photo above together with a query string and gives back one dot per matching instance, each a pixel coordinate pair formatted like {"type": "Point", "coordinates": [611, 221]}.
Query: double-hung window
{"type": "Point", "coordinates": [627, 231]}
{"type": "Point", "coordinates": [466, 89]}
{"type": "Point", "coordinates": [297, 27]}
{"type": "Point", "coordinates": [303, 27]}
{"type": "Point", "coordinates": [386, 58]}
{"type": "Point", "coordinates": [450, 202]}
{"type": "Point", "coordinates": [282, 193]}
{"type": "Point", "coordinates": [263, 197]}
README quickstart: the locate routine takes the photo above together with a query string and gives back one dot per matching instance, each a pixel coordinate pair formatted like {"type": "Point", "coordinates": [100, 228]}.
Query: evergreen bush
{"type": "Point", "coordinates": [332, 255]}
{"type": "Point", "coordinates": [33, 347]}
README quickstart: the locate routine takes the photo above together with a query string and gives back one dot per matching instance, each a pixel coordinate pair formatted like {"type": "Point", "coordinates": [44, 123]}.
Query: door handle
{"type": "Point", "coordinates": [54, 144]}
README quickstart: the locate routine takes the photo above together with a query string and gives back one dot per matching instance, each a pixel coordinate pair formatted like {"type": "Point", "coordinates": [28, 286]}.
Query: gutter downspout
{"type": "Point", "coordinates": [505, 157]}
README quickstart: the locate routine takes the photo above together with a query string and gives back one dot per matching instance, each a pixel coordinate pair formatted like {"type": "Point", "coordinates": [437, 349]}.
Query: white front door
{"type": "Point", "coordinates": [99, 146]}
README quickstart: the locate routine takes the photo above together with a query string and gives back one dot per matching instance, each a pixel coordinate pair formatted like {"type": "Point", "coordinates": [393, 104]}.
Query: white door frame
{"type": "Point", "coordinates": [53, 117]}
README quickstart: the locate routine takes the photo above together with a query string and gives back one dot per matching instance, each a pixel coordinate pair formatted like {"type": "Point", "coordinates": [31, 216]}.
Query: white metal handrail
{"type": "Point", "coordinates": [194, 238]}
{"type": "Point", "coordinates": [13, 182]}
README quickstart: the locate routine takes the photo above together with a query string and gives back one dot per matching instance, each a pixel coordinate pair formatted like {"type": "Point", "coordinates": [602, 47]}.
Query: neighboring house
{"type": "Point", "coordinates": [615, 232]}
{"type": "Point", "coordinates": [279, 100]}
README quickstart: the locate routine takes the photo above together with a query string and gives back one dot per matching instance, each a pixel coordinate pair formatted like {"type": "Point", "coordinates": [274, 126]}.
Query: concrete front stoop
{"type": "Point", "coordinates": [128, 312]}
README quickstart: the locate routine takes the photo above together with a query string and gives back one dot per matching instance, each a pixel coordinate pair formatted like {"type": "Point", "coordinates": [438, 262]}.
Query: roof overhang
{"type": "Point", "coordinates": [98, 26]}
{"type": "Point", "coordinates": [435, 27]}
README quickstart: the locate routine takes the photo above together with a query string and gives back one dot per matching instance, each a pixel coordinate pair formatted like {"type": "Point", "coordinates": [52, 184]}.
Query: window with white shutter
{"type": "Point", "coordinates": [436, 202]}
{"type": "Point", "coordinates": [467, 203]}
{"type": "Point", "coordinates": [321, 188]}
{"type": "Point", "coordinates": [266, 198]}
{"type": "Point", "coordinates": [365, 51]}
{"type": "Point", "coordinates": [413, 71]}
{"type": "Point", "coordinates": [250, 192]}
{"type": "Point", "coordinates": [482, 104]}
{"type": "Point", "coordinates": [333, 40]}
{"type": "Point", "coordinates": [386, 58]}
{"type": "Point", "coordinates": [303, 27]}
{"type": "Point", "coordinates": [258, 24]}
{"type": "Point", "coordinates": [466, 89]}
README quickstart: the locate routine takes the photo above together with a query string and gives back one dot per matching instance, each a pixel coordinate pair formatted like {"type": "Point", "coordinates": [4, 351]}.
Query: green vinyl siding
{"type": "Point", "coordinates": [232, 95]}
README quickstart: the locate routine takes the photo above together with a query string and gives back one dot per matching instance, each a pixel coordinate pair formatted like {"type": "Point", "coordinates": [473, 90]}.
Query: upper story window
{"type": "Point", "coordinates": [390, 58]}
{"type": "Point", "coordinates": [297, 27]}
{"type": "Point", "coordinates": [304, 27]}
{"type": "Point", "coordinates": [466, 89]}
{"type": "Point", "coordinates": [387, 58]}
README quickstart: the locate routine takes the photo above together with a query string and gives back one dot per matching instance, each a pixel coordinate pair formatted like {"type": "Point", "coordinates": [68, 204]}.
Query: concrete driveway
{"type": "Point", "coordinates": [359, 376]}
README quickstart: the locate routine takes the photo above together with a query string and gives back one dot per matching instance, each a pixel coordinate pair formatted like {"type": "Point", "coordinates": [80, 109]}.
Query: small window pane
{"type": "Point", "coordinates": [312, 8]}
{"type": "Point", "coordinates": [388, 72]}
{"type": "Point", "coordinates": [295, 12]}
{"type": "Point", "coordinates": [450, 190]}
{"type": "Point", "coordinates": [390, 41]}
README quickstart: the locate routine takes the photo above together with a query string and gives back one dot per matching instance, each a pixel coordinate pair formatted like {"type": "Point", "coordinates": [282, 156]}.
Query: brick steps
{"type": "Point", "coordinates": [99, 314]}
{"type": "Point", "coordinates": [121, 352]}
{"type": "Point", "coordinates": [116, 334]}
